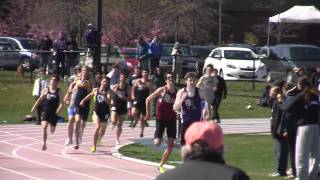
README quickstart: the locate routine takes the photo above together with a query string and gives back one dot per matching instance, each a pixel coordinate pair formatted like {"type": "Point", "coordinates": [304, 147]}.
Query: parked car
{"type": "Point", "coordinates": [109, 56]}
{"type": "Point", "coordinates": [201, 53]}
{"type": "Point", "coordinates": [281, 59]}
{"type": "Point", "coordinates": [189, 63]}
{"type": "Point", "coordinates": [234, 63]}
{"type": "Point", "coordinates": [24, 46]}
{"type": "Point", "coordinates": [9, 57]}
{"type": "Point", "coordinates": [130, 57]}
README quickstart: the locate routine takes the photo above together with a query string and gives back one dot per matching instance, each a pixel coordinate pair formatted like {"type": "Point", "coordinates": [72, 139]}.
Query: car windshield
{"type": "Point", "coordinates": [28, 44]}
{"type": "Point", "coordinates": [299, 53]}
{"type": "Point", "coordinates": [167, 49]}
{"type": "Point", "coordinates": [236, 54]}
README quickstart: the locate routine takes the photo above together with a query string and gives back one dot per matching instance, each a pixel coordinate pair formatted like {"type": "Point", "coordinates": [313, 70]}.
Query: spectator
{"type": "Point", "coordinates": [45, 44]}
{"type": "Point", "coordinates": [91, 36]}
{"type": "Point", "coordinates": [176, 61]}
{"type": "Point", "coordinates": [39, 85]}
{"type": "Point", "coordinates": [71, 60]}
{"type": "Point", "coordinates": [59, 46]}
{"type": "Point", "coordinates": [156, 52]}
{"type": "Point", "coordinates": [220, 92]}
{"type": "Point", "coordinates": [142, 48]}
{"type": "Point", "coordinates": [203, 156]}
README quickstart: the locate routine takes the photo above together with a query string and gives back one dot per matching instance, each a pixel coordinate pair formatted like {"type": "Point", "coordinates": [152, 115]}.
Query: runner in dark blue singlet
{"type": "Point", "coordinates": [50, 97]}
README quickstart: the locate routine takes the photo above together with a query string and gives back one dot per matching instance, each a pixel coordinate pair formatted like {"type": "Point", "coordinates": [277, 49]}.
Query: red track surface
{"type": "Point", "coordinates": [21, 156]}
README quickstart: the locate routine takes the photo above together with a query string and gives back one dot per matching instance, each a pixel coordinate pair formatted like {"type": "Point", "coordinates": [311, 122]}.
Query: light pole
{"type": "Point", "coordinates": [99, 25]}
{"type": "Point", "coordinates": [220, 11]}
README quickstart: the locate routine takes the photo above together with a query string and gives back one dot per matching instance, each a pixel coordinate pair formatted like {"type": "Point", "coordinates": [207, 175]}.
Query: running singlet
{"type": "Point", "coordinates": [101, 106]}
{"type": "Point", "coordinates": [141, 93]}
{"type": "Point", "coordinates": [120, 104]}
{"type": "Point", "coordinates": [83, 91]}
{"type": "Point", "coordinates": [51, 102]}
{"type": "Point", "coordinates": [192, 108]}
{"type": "Point", "coordinates": [165, 106]}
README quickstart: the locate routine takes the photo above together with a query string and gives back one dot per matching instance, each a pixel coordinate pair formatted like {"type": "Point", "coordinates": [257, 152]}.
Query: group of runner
{"type": "Point", "coordinates": [116, 100]}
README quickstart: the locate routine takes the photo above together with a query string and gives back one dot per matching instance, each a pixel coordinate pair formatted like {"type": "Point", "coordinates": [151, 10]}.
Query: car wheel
{"type": "Point", "coordinates": [221, 73]}
{"type": "Point", "coordinates": [269, 77]}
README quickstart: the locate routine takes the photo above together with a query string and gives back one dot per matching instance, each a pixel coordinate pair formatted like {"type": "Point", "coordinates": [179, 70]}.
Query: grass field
{"type": "Point", "coordinates": [16, 99]}
{"type": "Point", "coordinates": [252, 153]}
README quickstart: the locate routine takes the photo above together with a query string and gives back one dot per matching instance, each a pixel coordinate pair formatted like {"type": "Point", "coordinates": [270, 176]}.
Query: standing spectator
{"type": "Point", "coordinates": [208, 84]}
{"type": "Point", "coordinates": [71, 60]}
{"type": "Point", "coordinates": [114, 74]}
{"type": "Point", "coordinates": [315, 77]}
{"type": "Point", "coordinates": [221, 92]}
{"type": "Point", "coordinates": [45, 44]}
{"type": "Point", "coordinates": [166, 117]}
{"type": "Point", "coordinates": [142, 48]}
{"type": "Point", "coordinates": [39, 85]}
{"type": "Point", "coordinates": [191, 102]}
{"type": "Point", "coordinates": [177, 61]}
{"type": "Point", "coordinates": [203, 156]}
{"type": "Point", "coordinates": [280, 141]}
{"type": "Point", "coordinates": [59, 46]}
{"type": "Point", "coordinates": [306, 107]}
{"type": "Point", "coordinates": [91, 36]}
{"type": "Point", "coordinates": [156, 52]}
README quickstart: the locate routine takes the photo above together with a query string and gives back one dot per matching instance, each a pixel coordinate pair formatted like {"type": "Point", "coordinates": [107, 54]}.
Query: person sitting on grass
{"type": "Point", "coordinates": [50, 98]}
{"type": "Point", "coordinates": [203, 156]}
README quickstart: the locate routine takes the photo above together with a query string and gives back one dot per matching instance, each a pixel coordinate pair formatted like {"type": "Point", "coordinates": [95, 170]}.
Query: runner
{"type": "Point", "coordinates": [131, 80]}
{"type": "Point", "coordinates": [208, 84]}
{"type": "Point", "coordinates": [101, 111]}
{"type": "Point", "coordinates": [139, 93]}
{"type": "Point", "coordinates": [69, 99]}
{"type": "Point", "coordinates": [119, 104]}
{"type": "Point", "coordinates": [166, 117]}
{"type": "Point", "coordinates": [51, 107]}
{"type": "Point", "coordinates": [191, 101]}
{"type": "Point", "coordinates": [82, 86]}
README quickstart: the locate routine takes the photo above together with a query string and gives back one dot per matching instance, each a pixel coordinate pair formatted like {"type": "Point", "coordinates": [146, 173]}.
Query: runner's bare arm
{"type": "Point", "coordinates": [61, 103]}
{"type": "Point", "coordinates": [39, 100]}
{"type": "Point", "coordinates": [93, 92]}
{"type": "Point", "coordinates": [181, 95]}
{"type": "Point", "coordinates": [155, 94]}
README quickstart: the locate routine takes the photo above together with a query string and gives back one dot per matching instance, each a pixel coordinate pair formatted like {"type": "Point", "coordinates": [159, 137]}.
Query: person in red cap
{"type": "Point", "coordinates": [203, 156]}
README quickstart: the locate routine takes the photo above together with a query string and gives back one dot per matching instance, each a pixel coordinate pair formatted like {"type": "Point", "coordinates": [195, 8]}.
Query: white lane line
{"type": "Point", "coordinates": [16, 172]}
{"type": "Point", "coordinates": [15, 154]}
{"type": "Point", "coordinates": [101, 165]}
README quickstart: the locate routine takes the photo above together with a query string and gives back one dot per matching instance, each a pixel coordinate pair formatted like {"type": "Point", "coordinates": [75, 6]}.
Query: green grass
{"type": "Point", "coordinates": [16, 99]}
{"type": "Point", "coordinates": [252, 153]}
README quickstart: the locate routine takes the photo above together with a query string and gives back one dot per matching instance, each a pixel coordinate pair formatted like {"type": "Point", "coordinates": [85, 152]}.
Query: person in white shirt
{"type": "Point", "coordinates": [39, 84]}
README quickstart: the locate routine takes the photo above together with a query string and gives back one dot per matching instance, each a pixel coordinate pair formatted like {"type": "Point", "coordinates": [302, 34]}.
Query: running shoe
{"type": "Point", "coordinates": [117, 143]}
{"type": "Point", "coordinates": [161, 169]}
{"type": "Point", "coordinates": [93, 149]}
{"type": "Point", "coordinates": [76, 147]}
{"type": "Point", "coordinates": [68, 142]}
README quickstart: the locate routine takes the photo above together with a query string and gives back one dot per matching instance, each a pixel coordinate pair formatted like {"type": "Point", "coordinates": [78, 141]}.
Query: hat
{"type": "Point", "coordinates": [206, 131]}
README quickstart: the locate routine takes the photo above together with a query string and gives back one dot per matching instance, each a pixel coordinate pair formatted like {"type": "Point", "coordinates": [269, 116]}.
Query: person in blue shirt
{"type": "Point", "coordinates": [155, 53]}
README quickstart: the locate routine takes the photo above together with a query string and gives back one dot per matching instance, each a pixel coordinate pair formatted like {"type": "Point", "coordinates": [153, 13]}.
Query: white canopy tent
{"type": "Point", "coordinates": [296, 14]}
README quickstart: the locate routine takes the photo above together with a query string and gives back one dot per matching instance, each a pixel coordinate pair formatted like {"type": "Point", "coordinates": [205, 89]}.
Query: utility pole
{"type": "Point", "coordinates": [99, 25]}
{"type": "Point", "coordinates": [220, 33]}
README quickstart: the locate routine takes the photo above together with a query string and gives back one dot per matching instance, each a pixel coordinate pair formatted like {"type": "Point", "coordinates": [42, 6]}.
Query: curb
{"type": "Point", "coordinates": [115, 153]}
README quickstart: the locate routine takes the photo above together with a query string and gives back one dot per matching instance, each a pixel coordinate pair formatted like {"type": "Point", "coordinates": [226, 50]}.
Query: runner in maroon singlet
{"type": "Point", "coordinates": [166, 117]}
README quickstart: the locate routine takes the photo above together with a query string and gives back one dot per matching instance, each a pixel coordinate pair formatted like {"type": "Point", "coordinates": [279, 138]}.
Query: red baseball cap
{"type": "Point", "coordinates": [209, 132]}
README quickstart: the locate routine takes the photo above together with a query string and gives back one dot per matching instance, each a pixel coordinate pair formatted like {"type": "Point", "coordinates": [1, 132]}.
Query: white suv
{"type": "Point", "coordinates": [234, 63]}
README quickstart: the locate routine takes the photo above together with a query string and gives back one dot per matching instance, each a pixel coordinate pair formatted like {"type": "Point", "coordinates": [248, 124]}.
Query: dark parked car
{"type": "Point", "coordinates": [201, 53]}
{"type": "Point", "coordinates": [189, 63]}
{"type": "Point", "coordinates": [281, 59]}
